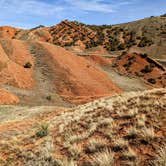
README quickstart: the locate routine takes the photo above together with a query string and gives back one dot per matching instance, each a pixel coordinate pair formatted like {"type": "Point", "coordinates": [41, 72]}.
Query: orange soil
{"type": "Point", "coordinates": [8, 98]}
{"type": "Point", "coordinates": [99, 60]}
{"type": "Point", "coordinates": [139, 63]}
{"type": "Point", "coordinates": [98, 50]}
{"type": "Point", "coordinates": [78, 78]}
{"type": "Point", "coordinates": [20, 55]}
{"type": "Point", "coordinates": [7, 32]}
{"type": "Point", "coordinates": [12, 70]}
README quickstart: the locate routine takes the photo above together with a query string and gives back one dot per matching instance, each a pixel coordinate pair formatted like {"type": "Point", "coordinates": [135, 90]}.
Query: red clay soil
{"type": "Point", "coordinates": [12, 69]}
{"type": "Point", "coordinates": [78, 80]}
{"type": "Point", "coordinates": [20, 54]}
{"type": "Point", "coordinates": [7, 32]}
{"type": "Point", "coordinates": [99, 60]}
{"type": "Point", "coordinates": [40, 34]}
{"type": "Point", "coordinates": [135, 64]}
{"type": "Point", "coordinates": [8, 98]}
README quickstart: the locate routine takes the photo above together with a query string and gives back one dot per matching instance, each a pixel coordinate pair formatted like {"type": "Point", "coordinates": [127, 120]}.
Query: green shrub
{"type": "Point", "coordinates": [28, 65]}
{"type": "Point", "coordinates": [121, 47]}
{"type": "Point", "coordinates": [152, 80]}
{"type": "Point", "coordinates": [147, 69]}
{"type": "Point", "coordinates": [42, 131]}
{"type": "Point", "coordinates": [145, 42]}
{"type": "Point", "coordinates": [49, 98]}
{"type": "Point", "coordinates": [144, 55]}
{"type": "Point", "coordinates": [128, 64]}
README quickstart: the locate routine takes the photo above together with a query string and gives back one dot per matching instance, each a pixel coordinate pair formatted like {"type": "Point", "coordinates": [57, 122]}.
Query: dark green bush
{"type": "Point", "coordinates": [144, 55]}
{"type": "Point", "coordinates": [121, 47]}
{"type": "Point", "coordinates": [49, 98]}
{"type": "Point", "coordinates": [152, 80]}
{"type": "Point", "coordinates": [147, 69]}
{"type": "Point", "coordinates": [28, 65]}
{"type": "Point", "coordinates": [42, 131]}
{"type": "Point", "coordinates": [145, 42]}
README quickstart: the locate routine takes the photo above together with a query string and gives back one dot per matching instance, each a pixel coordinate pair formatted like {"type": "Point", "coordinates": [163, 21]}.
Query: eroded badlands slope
{"type": "Point", "coordinates": [40, 72]}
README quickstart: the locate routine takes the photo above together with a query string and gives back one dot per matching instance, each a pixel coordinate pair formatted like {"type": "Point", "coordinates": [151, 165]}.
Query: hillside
{"type": "Point", "coordinates": [41, 73]}
{"type": "Point", "coordinates": [36, 70]}
{"type": "Point", "coordinates": [122, 130]}
{"type": "Point", "coordinates": [142, 66]}
{"type": "Point", "coordinates": [147, 36]}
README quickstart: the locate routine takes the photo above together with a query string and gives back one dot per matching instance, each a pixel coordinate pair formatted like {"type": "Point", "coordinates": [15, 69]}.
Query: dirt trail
{"type": "Point", "coordinates": [44, 74]}
{"type": "Point", "coordinates": [125, 83]}
{"type": "Point", "coordinates": [18, 113]}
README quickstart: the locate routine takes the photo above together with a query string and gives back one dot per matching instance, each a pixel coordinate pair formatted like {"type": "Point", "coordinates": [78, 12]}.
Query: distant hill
{"type": "Point", "coordinates": [147, 35]}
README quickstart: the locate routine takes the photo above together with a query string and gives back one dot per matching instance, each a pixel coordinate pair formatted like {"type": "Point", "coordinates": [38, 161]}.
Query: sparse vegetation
{"type": "Point", "coordinates": [129, 155]}
{"type": "Point", "coordinates": [160, 158]}
{"type": "Point", "coordinates": [145, 42]}
{"type": "Point", "coordinates": [120, 144]}
{"type": "Point", "coordinates": [95, 145]}
{"type": "Point", "coordinates": [132, 133]}
{"type": "Point", "coordinates": [95, 135]}
{"type": "Point", "coordinates": [147, 69]}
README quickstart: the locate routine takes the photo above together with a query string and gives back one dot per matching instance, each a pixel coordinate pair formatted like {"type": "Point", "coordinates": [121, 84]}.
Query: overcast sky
{"type": "Point", "coordinates": [31, 13]}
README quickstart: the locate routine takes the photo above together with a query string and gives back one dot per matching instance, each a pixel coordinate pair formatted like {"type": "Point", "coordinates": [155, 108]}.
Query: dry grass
{"type": "Point", "coordinates": [129, 155]}
{"type": "Point", "coordinates": [160, 158]}
{"type": "Point", "coordinates": [132, 133]}
{"type": "Point", "coordinates": [93, 133]}
{"type": "Point", "coordinates": [120, 144]}
{"type": "Point", "coordinates": [75, 151]}
{"type": "Point", "coordinates": [94, 145]}
{"type": "Point", "coordinates": [147, 134]}
{"type": "Point", "coordinates": [104, 158]}
{"type": "Point", "coordinates": [141, 119]}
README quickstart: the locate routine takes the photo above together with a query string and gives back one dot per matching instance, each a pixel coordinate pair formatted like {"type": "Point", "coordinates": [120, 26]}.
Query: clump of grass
{"type": "Point", "coordinates": [43, 130]}
{"type": "Point", "coordinates": [75, 151]}
{"type": "Point", "coordinates": [119, 144]}
{"type": "Point", "coordinates": [131, 113]}
{"type": "Point", "coordinates": [160, 157]}
{"type": "Point", "coordinates": [129, 155]}
{"type": "Point", "coordinates": [72, 137]}
{"type": "Point", "coordinates": [132, 133]}
{"type": "Point", "coordinates": [77, 137]}
{"type": "Point", "coordinates": [106, 122]}
{"type": "Point", "coordinates": [104, 158]}
{"type": "Point", "coordinates": [64, 162]}
{"type": "Point", "coordinates": [141, 119]}
{"type": "Point", "coordinates": [94, 145]}
{"type": "Point", "coordinates": [147, 134]}
{"type": "Point", "coordinates": [110, 131]}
